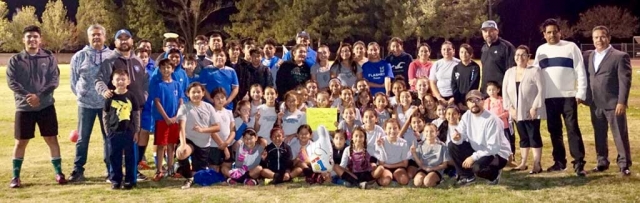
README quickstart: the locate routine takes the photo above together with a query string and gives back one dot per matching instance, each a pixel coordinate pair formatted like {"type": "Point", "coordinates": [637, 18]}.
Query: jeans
{"type": "Point", "coordinates": [86, 119]}
{"type": "Point", "coordinates": [118, 142]}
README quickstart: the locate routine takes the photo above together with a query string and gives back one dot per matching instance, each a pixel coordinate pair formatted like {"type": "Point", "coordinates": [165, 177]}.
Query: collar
{"type": "Point", "coordinates": [603, 51]}
{"type": "Point", "coordinates": [497, 42]}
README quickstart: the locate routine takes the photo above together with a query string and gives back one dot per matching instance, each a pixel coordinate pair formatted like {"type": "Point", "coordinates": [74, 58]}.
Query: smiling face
{"type": "Point", "coordinates": [430, 132]}
{"type": "Point", "coordinates": [123, 43]}
{"type": "Point", "coordinates": [380, 102]}
{"type": "Point", "coordinates": [346, 95]}
{"type": "Point", "coordinates": [304, 135]}
{"type": "Point", "coordinates": [440, 111]}
{"type": "Point", "coordinates": [601, 39]}
{"type": "Point", "coordinates": [465, 55]}
{"type": "Point", "coordinates": [395, 48]}
{"type": "Point", "coordinates": [166, 71]}
{"type": "Point", "coordinates": [97, 38]}
{"type": "Point", "coordinates": [397, 88]}
{"type": "Point", "coordinates": [358, 139]}
{"type": "Point", "coordinates": [359, 51]}
{"type": "Point", "coordinates": [349, 114]}
{"type": "Point", "coordinates": [417, 124]}
{"type": "Point", "coordinates": [291, 103]}
{"type": "Point", "coordinates": [369, 118]}
{"type": "Point", "coordinates": [522, 57]}
{"type": "Point", "coordinates": [175, 59]}
{"type": "Point", "coordinates": [300, 54]}
{"type": "Point", "coordinates": [334, 86]}
{"type": "Point", "coordinates": [277, 137]}
{"type": "Point", "coordinates": [234, 52]}
{"type": "Point", "coordinates": [250, 139]}
{"type": "Point", "coordinates": [345, 53]}
{"type": "Point", "coordinates": [452, 116]}
{"type": "Point", "coordinates": [313, 89]}
{"type": "Point", "coordinates": [195, 94]}
{"type": "Point", "coordinates": [424, 53]}
{"type": "Point", "coordinates": [551, 34]}
{"type": "Point", "coordinates": [422, 86]}
{"type": "Point", "coordinates": [270, 95]}
{"type": "Point", "coordinates": [364, 99]}
{"type": "Point", "coordinates": [215, 42]}
{"type": "Point", "coordinates": [120, 81]}
{"type": "Point", "coordinates": [405, 99]}
{"type": "Point", "coordinates": [322, 100]}
{"type": "Point", "coordinates": [219, 100]}
{"type": "Point", "coordinates": [362, 86]}
{"type": "Point", "coordinates": [219, 59]}
{"type": "Point", "coordinates": [374, 52]}
{"type": "Point", "coordinates": [244, 110]}
{"type": "Point", "coordinates": [447, 51]}
{"type": "Point", "coordinates": [323, 54]}
{"type": "Point", "coordinates": [392, 129]}
{"type": "Point", "coordinates": [256, 93]}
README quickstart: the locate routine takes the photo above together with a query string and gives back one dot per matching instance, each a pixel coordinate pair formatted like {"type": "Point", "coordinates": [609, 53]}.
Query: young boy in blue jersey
{"type": "Point", "coordinates": [222, 76]}
{"type": "Point", "coordinates": [190, 63]}
{"type": "Point", "coordinates": [167, 97]}
{"type": "Point", "coordinates": [121, 122]}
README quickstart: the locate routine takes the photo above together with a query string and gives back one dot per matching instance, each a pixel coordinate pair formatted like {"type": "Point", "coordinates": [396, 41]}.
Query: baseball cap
{"type": "Point", "coordinates": [474, 94]}
{"type": "Point", "coordinates": [489, 24]}
{"type": "Point", "coordinates": [122, 31]}
{"type": "Point", "coordinates": [303, 34]}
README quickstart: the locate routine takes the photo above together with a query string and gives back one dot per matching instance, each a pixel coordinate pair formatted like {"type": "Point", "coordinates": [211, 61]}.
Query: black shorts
{"type": "Point", "coordinates": [25, 123]}
{"type": "Point", "coordinates": [216, 156]}
{"type": "Point", "coordinates": [364, 176]}
{"type": "Point", "coordinates": [427, 173]}
{"type": "Point", "coordinates": [199, 157]}
{"type": "Point", "coordinates": [413, 163]}
{"type": "Point", "coordinates": [393, 169]}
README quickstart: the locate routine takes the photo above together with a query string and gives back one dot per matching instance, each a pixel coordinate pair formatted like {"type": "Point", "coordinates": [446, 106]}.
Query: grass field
{"type": "Point", "coordinates": [39, 185]}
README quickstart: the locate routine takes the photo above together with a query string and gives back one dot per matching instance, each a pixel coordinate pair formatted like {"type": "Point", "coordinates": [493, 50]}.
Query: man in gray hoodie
{"type": "Point", "coordinates": [33, 75]}
{"type": "Point", "coordinates": [124, 58]}
{"type": "Point", "coordinates": [85, 66]}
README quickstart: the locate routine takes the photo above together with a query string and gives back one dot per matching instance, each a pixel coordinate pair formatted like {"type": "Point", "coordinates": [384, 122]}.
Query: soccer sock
{"type": "Point", "coordinates": [57, 162]}
{"type": "Point", "coordinates": [17, 165]}
{"type": "Point", "coordinates": [141, 150]}
{"type": "Point", "coordinates": [347, 177]}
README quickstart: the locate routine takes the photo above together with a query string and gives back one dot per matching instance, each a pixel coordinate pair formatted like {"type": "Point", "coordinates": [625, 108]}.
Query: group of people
{"type": "Point", "coordinates": [240, 110]}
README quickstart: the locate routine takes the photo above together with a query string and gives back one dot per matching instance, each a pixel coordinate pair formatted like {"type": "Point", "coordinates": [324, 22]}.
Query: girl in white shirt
{"type": "Point", "coordinates": [267, 114]}
{"type": "Point", "coordinates": [374, 132]}
{"type": "Point", "coordinates": [394, 155]}
{"type": "Point", "coordinates": [291, 118]}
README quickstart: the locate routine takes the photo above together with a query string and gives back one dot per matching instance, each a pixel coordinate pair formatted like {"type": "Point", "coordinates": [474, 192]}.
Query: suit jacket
{"type": "Point", "coordinates": [609, 85]}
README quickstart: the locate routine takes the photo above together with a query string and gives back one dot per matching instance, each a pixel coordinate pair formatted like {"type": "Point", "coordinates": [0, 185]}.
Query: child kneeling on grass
{"type": "Point", "coordinates": [121, 122]}
{"type": "Point", "coordinates": [197, 124]}
{"type": "Point", "coordinates": [248, 155]}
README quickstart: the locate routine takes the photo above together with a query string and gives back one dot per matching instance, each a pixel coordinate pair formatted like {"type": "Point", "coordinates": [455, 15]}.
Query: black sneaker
{"type": "Point", "coordinates": [557, 166]}
{"type": "Point", "coordinates": [625, 172]}
{"type": "Point", "coordinates": [141, 177]}
{"type": "Point", "coordinates": [115, 186]}
{"type": "Point", "coordinates": [598, 169]}
{"type": "Point", "coordinates": [127, 186]}
{"type": "Point", "coordinates": [466, 181]}
{"type": "Point", "coordinates": [497, 180]}
{"type": "Point", "coordinates": [76, 177]}
{"type": "Point", "coordinates": [578, 167]}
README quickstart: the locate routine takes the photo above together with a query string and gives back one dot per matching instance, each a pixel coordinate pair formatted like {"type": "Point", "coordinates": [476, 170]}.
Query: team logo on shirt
{"type": "Point", "coordinates": [382, 69]}
{"type": "Point", "coordinates": [399, 66]}
{"type": "Point", "coordinates": [43, 65]}
{"type": "Point", "coordinates": [457, 75]}
{"type": "Point", "coordinates": [175, 93]}
{"type": "Point", "coordinates": [137, 68]}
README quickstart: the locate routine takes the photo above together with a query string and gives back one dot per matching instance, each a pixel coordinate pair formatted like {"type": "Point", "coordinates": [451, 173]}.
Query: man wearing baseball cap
{"type": "Point", "coordinates": [303, 38]}
{"type": "Point", "coordinates": [497, 55]}
{"type": "Point", "coordinates": [478, 146]}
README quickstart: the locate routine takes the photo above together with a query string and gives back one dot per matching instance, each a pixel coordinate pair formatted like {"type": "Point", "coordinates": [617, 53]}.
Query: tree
{"type": "Point", "coordinates": [456, 19]}
{"type": "Point", "coordinates": [350, 21]}
{"type": "Point", "coordinates": [143, 20]}
{"type": "Point", "coordinates": [56, 27]}
{"type": "Point", "coordinates": [189, 16]}
{"type": "Point", "coordinates": [566, 30]}
{"type": "Point", "coordinates": [4, 24]}
{"type": "Point", "coordinates": [621, 23]}
{"type": "Point", "coordinates": [103, 12]}
{"type": "Point", "coordinates": [23, 17]}
{"type": "Point", "coordinates": [255, 19]}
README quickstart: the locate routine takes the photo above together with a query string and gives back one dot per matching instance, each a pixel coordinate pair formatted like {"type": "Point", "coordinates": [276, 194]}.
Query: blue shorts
{"type": "Point", "coordinates": [146, 120]}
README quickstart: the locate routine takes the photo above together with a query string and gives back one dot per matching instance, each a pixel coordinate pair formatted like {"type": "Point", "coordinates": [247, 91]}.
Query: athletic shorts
{"type": "Point", "coordinates": [166, 134]}
{"type": "Point", "coordinates": [25, 123]}
{"type": "Point", "coordinates": [427, 173]}
{"type": "Point", "coordinates": [199, 157]}
{"type": "Point", "coordinates": [393, 169]}
{"type": "Point", "coordinates": [413, 163]}
{"type": "Point", "coordinates": [146, 120]}
{"type": "Point", "coordinates": [373, 159]}
{"type": "Point", "coordinates": [216, 156]}
{"type": "Point", "coordinates": [364, 176]}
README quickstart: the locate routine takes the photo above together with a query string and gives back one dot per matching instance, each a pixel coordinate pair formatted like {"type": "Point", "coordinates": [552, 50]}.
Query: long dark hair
{"type": "Point", "coordinates": [364, 132]}
{"type": "Point", "coordinates": [339, 59]}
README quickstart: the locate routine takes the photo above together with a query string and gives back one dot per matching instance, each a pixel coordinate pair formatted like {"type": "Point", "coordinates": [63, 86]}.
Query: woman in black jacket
{"type": "Point", "coordinates": [294, 72]}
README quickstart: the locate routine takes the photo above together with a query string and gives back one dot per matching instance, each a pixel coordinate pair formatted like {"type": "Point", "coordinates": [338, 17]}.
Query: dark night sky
{"type": "Point", "coordinates": [519, 19]}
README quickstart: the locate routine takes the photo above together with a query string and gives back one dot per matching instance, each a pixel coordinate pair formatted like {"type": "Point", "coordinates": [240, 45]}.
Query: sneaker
{"type": "Point", "coordinates": [367, 185]}
{"type": "Point", "coordinates": [159, 175]}
{"type": "Point", "coordinates": [250, 182]}
{"type": "Point", "coordinates": [76, 177]}
{"type": "Point", "coordinates": [268, 181]}
{"type": "Point", "coordinates": [128, 186]}
{"type": "Point", "coordinates": [231, 182]}
{"type": "Point", "coordinates": [311, 179]}
{"type": "Point", "coordinates": [625, 172]}
{"type": "Point", "coordinates": [115, 186]}
{"type": "Point", "coordinates": [141, 177]}
{"type": "Point", "coordinates": [60, 179]}
{"type": "Point", "coordinates": [15, 183]}
{"type": "Point", "coordinates": [143, 166]}
{"type": "Point", "coordinates": [497, 180]}
{"type": "Point", "coordinates": [466, 181]}
{"type": "Point", "coordinates": [107, 180]}
{"type": "Point", "coordinates": [320, 179]}
{"type": "Point", "coordinates": [578, 167]}
{"type": "Point", "coordinates": [187, 184]}
{"type": "Point", "coordinates": [347, 184]}
{"type": "Point", "coordinates": [557, 166]}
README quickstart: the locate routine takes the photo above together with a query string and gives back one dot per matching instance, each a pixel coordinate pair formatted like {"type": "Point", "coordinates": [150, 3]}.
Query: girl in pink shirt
{"type": "Point", "coordinates": [494, 105]}
{"type": "Point", "coordinates": [421, 66]}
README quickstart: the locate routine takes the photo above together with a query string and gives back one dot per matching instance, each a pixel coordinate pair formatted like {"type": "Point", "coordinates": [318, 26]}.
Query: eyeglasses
{"type": "Point", "coordinates": [522, 55]}
{"type": "Point", "coordinates": [172, 46]}
{"type": "Point", "coordinates": [473, 100]}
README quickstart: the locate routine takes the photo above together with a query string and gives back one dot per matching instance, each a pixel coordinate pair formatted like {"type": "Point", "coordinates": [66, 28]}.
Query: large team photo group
{"type": "Point", "coordinates": [213, 116]}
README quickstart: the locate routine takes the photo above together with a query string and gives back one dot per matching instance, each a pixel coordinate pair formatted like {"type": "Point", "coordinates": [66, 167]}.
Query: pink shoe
{"type": "Point", "coordinates": [231, 182]}
{"type": "Point", "coordinates": [250, 182]}
{"type": "Point", "coordinates": [60, 179]}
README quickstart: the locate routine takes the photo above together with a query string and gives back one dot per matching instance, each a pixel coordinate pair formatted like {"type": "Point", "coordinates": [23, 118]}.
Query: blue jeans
{"type": "Point", "coordinates": [86, 119]}
{"type": "Point", "coordinates": [118, 142]}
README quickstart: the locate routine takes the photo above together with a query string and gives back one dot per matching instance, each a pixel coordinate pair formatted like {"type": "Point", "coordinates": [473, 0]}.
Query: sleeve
{"type": "Point", "coordinates": [412, 72]}
{"type": "Point", "coordinates": [303, 119]}
{"type": "Point", "coordinates": [389, 71]}
{"type": "Point", "coordinates": [454, 84]}
{"type": "Point", "coordinates": [506, 100]}
{"type": "Point", "coordinates": [53, 79]}
{"type": "Point", "coordinates": [539, 99]}
{"type": "Point", "coordinates": [536, 59]}
{"type": "Point", "coordinates": [581, 74]}
{"type": "Point", "coordinates": [134, 102]}
{"type": "Point", "coordinates": [624, 79]}
{"type": "Point", "coordinates": [344, 162]}
{"type": "Point", "coordinates": [106, 116]}
{"type": "Point", "coordinates": [75, 63]}
{"type": "Point", "coordinates": [182, 113]}
{"type": "Point", "coordinates": [268, 78]}
{"type": "Point", "coordinates": [462, 125]}
{"type": "Point", "coordinates": [256, 161]}
{"type": "Point", "coordinates": [212, 118]}
{"type": "Point", "coordinates": [511, 52]}
{"type": "Point", "coordinates": [12, 79]}
{"type": "Point", "coordinates": [406, 154]}
{"type": "Point", "coordinates": [234, 80]}
{"type": "Point", "coordinates": [445, 154]}
{"type": "Point", "coordinates": [135, 116]}
{"type": "Point", "coordinates": [103, 77]}
{"type": "Point", "coordinates": [433, 70]}
{"type": "Point", "coordinates": [493, 133]}
{"type": "Point", "coordinates": [286, 56]}
{"type": "Point", "coordinates": [288, 157]}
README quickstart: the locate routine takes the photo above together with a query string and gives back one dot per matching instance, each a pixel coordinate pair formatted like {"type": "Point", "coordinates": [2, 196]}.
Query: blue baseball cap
{"type": "Point", "coordinates": [123, 31]}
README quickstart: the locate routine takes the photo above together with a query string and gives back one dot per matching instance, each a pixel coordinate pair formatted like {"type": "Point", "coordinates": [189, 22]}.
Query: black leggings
{"type": "Point", "coordinates": [529, 131]}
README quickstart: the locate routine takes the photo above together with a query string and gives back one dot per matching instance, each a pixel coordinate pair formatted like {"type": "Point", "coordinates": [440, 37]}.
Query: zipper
{"type": "Point", "coordinates": [278, 151]}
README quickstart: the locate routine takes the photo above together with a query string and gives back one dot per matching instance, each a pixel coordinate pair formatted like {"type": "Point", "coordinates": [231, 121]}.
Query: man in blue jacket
{"type": "Point", "coordinates": [303, 38]}
{"type": "Point", "coordinates": [85, 66]}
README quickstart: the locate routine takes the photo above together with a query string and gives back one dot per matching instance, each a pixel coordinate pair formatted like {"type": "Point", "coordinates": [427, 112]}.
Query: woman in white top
{"type": "Point", "coordinates": [441, 71]}
{"type": "Point", "coordinates": [345, 68]}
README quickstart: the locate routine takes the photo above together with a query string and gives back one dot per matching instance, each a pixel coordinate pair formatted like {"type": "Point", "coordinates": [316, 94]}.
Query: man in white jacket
{"type": "Point", "coordinates": [565, 82]}
{"type": "Point", "coordinates": [478, 146]}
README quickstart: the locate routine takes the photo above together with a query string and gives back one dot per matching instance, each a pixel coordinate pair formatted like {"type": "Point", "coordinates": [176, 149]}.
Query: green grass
{"type": "Point", "coordinates": [39, 184]}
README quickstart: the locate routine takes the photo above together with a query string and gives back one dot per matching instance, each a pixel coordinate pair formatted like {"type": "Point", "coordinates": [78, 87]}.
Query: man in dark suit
{"type": "Point", "coordinates": [609, 76]}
